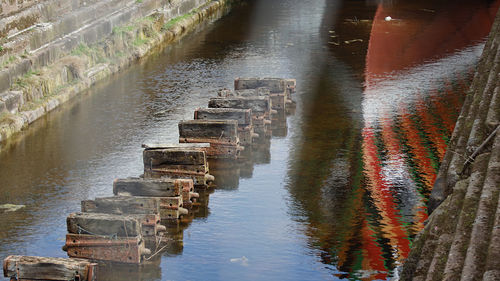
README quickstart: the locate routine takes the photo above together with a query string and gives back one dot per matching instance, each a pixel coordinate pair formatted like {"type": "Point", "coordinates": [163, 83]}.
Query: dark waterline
{"type": "Point", "coordinates": [340, 194]}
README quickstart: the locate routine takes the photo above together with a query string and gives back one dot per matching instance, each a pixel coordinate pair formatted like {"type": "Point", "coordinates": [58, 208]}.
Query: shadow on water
{"type": "Point", "coordinates": [339, 191]}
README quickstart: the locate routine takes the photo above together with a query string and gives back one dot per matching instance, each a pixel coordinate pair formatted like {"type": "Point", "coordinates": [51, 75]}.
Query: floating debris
{"type": "Point", "coordinates": [427, 10]}
{"type": "Point", "coordinates": [11, 207]}
{"type": "Point", "coordinates": [388, 18]}
{"type": "Point", "coordinates": [353, 41]}
{"type": "Point", "coordinates": [243, 260]}
{"type": "Point", "coordinates": [334, 43]}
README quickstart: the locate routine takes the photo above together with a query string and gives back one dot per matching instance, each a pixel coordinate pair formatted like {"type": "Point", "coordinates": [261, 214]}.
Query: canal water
{"type": "Point", "coordinates": [340, 190]}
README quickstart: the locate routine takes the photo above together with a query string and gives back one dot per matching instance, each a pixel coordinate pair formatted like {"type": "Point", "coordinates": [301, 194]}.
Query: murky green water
{"type": "Point", "coordinates": [339, 194]}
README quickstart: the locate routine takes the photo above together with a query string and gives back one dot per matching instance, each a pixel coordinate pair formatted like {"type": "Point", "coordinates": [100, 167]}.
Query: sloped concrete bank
{"type": "Point", "coordinates": [44, 64]}
{"type": "Point", "coordinates": [461, 240]}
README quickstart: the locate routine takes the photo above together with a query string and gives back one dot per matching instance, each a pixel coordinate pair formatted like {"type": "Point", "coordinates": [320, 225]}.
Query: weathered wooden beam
{"type": "Point", "coordinates": [291, 84]}
{"type": "Point", "coordinates": [212, 131]}
{"type": "Point", "coordinates": [278, 100]}
{"type": "Point", "coordinates": [106, 225]}
{"type": "Point", "coordinates": [152, 187]}
{"type": "Point", "coordinates": [275, 85]}
{"type": "Point", "coordinates": [174, 156]}
{"type": "Point", "coordinates": [195, 146]}
{"type": "Point", "coordinates": [162, 187]}
{"type": "Point", "coordinates": [122, 205]}
{"type": "Point", "coordinates": [243, 116]}
{"type": "Point", "coordinates": [259, 105]}
{"type": "Point", "coordinates": [199, 175]}
{"type": "Point", "coordinates": [120, 249]}
{"type": "Point", "coordinates": [221, 134]}
{"type": "Point", "coordinates": [146, 209]}
{"type": "Point", "coordinates": [165, 207]}
{"type": "Point", "coordinates": [172, 208]}
{"type": "Point", "coordinates": [262, 91]}
{"type": "Point", "coordinates": [175, 161]}
{"type": "Point", "coordinates": [42, 268]}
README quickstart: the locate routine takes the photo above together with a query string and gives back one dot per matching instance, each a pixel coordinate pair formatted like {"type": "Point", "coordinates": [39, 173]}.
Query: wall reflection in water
{"type": "Point", "coordinates": [366, 209]}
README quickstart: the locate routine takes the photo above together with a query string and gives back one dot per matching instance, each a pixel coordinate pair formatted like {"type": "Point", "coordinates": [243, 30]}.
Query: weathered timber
{"type": "Point", "coordinates": [291, 84]}
{"type": "Point", "coordinates": [42, 268]}
{"type": "Point", "coordinates": [122, 205]}
{"type": "Point", "coordinates": [148, 146]}
{"type": "Point", "coordinates": [166, 207]}
{"type": "Point", "coordinates": [162, 187]}
{"type": "Point", "coordinates": [171, 208]}
{"type": "Point", "coordinates": [243, 116]}
{"type": "Point", "coordinates": [188, 194]}
{"type": "Point", "coordinates": [221, 134]}
{"type": "Point", "coordinates": [126, 250]}
{"type": "Point", "coordinates": [247, 135]}
{"type": "Point", "coordinates": [220, 131]}
{"type": "Point", "coordinates": [261, 110]}
{"type": "Point", "coordinates": [259, 105]}
{"type": "Point", "coordinates": [174, 156]}
{"type": "Point", "coordinates": [150, 225]}
{"type": "Point", "coordinates": [278, 100]}
{"type": "Point", "coordinates": [158, 163]}
{"type": "Point", "coordinates": [107, 225]}
{"type": "Point", "coordinates": [145, 209]}
{"type": "Point", "coordinates": [275, 85]}
{"type": "Point", "coordinates": [200, 179]}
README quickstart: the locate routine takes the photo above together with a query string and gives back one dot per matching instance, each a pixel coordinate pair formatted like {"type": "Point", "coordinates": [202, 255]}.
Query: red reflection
{"type": "Point", "coordinates": [406, 127]}
{"type": "Point", "coordinates": [416, 34]}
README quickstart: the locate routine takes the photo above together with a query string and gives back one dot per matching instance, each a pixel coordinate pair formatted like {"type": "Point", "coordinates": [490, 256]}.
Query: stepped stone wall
{"type": "Point", "coordinates": [54, 49]}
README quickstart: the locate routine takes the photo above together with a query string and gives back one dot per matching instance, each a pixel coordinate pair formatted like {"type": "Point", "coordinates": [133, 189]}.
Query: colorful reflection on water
{"type": "Point", "coordinates": [418, 67]}
{"type": "Point", "coordinates": [364, 179]}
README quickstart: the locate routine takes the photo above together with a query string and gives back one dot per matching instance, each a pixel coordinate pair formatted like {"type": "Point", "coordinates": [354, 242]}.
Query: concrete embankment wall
{"type": "Point", "coordinates": [52, 50]}
{"type": "Point", "coordinates": [461, 240]}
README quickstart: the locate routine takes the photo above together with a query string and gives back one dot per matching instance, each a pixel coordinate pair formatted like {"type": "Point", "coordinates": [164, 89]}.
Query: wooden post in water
{"type": "Point", "coordinates": [221, 134]}
{"type": "Point", "coordinates": [29, 268]}
{"type": "Point", "coordinates": [260, 106]}
{"type": "Point", "coordinates": [177, 161]}
{"type": "Point", "coordinates": [243, 116]}
{"type": "Point", "coordinates": [105, 237]}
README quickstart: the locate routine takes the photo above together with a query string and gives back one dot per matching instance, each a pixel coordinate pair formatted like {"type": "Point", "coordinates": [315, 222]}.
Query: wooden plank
{"type": "Point", "coordinates": [262, 91]}
{"type": "Point", "coordinates": [193, 169]}
{"type": "Point", "coordinates": [173, 156]}
{"type": "Point", "coordinates": [166, 207]}
{"type": "Point", "coordinates": [122, 205]}
{"type": "Point", "coordinates": [258, 105]}
{"type": "Point", "coordinates": [103, 224]}
{"type": "Point", "coordinates": [175, 145]}
{"type": "Point", "coordinates": [246, 135]}
{"type": "Point", "coordinates": [42, 268]}
{"type": "Point", "coordinates": [243, 116]}
{"type": "Point", "coordinates": [161, 187]}
{"type": "Point", "coordinates": [198, 178]}
{"type": "Point", "coordinates": [291, 84]}
{"type": "Point", "coordinates": [127, 250]}
{"type": "Point", "coordinates": [210, 130]}
{"type": "Point", "coordinates": [278, 100]}
{"type": "Point", "coordinates": [275, 85]}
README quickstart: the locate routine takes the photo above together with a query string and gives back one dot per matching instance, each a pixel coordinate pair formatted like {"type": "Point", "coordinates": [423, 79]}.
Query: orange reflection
{"type": "Point", "coordinates": [418, 67]}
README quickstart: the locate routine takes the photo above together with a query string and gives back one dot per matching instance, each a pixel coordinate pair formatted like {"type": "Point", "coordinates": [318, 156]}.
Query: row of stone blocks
{"type": "Point", "coordinates": [124, 228]}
